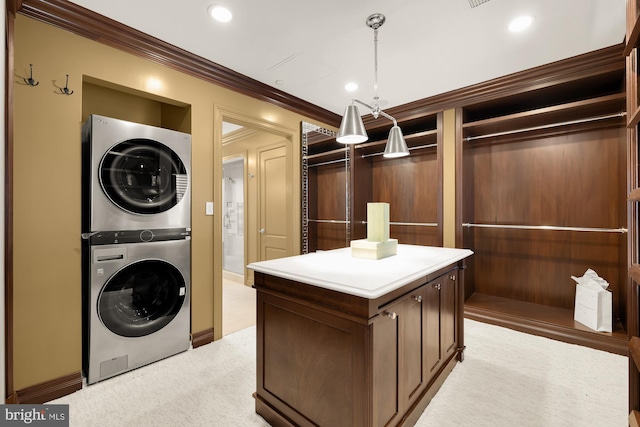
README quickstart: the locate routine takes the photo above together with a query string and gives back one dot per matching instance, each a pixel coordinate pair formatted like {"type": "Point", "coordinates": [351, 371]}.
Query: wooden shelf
{"type": "Point", "coordinates": [634, 351]}
{"type": "Point", "coordinates": [634, 272]}
{"type": "Point", "coordinates": [551, 322]}
{"type": "Point", "coordinates": [327, 156]}
{"type": "Point", "coordinates": [633, 118]}
{"type": "Point", "coordinates": [594, 107]}
{"type": "Point", "coordinates": [634, 195]}
{"type": "Point", "coordinates": [413, 140]}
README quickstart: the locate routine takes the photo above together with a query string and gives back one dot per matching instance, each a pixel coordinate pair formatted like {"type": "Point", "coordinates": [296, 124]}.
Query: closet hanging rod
{"type": "Point", "coordinates": [417, 224]}
{"type": "Point", "coordinates": [329, 221]}
{"type": "Point", "coordinates": [326, 163]}
{"type": "Point", "coordinates": [547, 227]}
{"type": "Point", "coordinates": [410, 148]}
{"type": "Point", "coordinates": [548, 126]}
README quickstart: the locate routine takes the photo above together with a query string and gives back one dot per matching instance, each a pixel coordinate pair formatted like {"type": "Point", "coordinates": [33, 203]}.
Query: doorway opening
{"type": "Point", "coordinates": [258, 209]}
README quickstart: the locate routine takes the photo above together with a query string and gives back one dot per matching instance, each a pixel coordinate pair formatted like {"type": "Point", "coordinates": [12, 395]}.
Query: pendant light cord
{"type": "Point", "coordinates": [375, 68]}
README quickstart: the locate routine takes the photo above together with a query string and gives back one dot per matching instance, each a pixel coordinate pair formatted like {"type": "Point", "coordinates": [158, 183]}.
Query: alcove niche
{"type": "Point", "coordinates": [120, 102]}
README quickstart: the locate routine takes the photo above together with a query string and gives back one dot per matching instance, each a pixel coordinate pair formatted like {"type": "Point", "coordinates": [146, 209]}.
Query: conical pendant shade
{"type": "Point", "coordinates": [352, 129]}
{"type": "Point", "coordinates": [396, 146]}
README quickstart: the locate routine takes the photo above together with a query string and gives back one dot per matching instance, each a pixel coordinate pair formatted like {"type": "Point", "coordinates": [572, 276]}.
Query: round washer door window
{"type": "Point", "coordinates": [143, 176]}
{"type": "Point", "coordinates": [141, 298]}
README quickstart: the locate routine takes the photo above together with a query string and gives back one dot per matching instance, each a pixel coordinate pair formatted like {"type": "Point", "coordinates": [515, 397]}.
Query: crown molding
{"type": "Point", "coordinates": [86, 23]}
{"type": "Point", "coordinates": [598, 62]}
{"type": "Point", "coordinates": [81, 21]}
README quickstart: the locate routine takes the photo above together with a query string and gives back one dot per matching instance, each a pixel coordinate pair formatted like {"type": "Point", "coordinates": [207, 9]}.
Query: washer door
{"type": "Point", "coordinates": [141, 298]}
{"type": "Point", "coordinates": [143, 176]}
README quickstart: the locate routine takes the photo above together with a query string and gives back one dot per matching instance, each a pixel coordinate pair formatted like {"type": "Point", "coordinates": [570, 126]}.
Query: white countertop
{"type": "Point", "coordinates": [339, 271]}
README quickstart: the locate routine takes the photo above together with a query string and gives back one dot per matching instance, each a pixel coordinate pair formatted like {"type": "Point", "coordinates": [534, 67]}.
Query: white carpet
{"type": "Point", "coordinates": [507, 379]}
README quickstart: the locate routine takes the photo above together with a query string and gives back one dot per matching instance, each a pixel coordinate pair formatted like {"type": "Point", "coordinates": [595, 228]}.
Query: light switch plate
{"type": "Point", "coordinates": [208, 208]}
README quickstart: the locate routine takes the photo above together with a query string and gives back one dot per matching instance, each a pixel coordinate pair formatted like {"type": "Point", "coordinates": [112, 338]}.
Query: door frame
{"type": "Point", "coordinates": [226, 114]}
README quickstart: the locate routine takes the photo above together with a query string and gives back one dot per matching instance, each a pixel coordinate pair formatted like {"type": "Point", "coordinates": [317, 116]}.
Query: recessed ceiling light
{"type": "Point", "coordinates": [280, 82]}
{"type": "Point", "coordinates": [351, 87]}
{"type": "Point", "coordinates": [521, 23]}
{"type": "Point", "coordinates": [220, 13]}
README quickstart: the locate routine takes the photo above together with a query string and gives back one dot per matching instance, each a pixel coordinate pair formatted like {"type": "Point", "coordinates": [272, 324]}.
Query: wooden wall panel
{"type": "Point", "coordinates": [331, 193]}
{"type": "Point", "coordinates": [410, 186]}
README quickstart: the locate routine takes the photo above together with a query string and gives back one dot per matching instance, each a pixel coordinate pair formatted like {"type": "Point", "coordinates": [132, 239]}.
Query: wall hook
{"type": "Point", "coordinates": [30, 80]}
{"type": "Point", "coordinates": [65, 89]}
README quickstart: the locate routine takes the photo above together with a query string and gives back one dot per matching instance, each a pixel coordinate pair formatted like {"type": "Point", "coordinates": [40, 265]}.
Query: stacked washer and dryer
{"type": "Point", "coordinates": [136, 230]}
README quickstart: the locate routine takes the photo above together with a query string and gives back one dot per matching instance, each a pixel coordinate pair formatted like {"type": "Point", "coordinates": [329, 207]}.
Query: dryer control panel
{"type": "Point", "coordinates": [138, 236]}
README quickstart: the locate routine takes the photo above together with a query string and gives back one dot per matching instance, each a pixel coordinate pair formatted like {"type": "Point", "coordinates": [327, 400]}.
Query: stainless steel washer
{"type": "Point", "coordinates": [136, 299]}
{"type": "Point", "coordinates": [134, 176]}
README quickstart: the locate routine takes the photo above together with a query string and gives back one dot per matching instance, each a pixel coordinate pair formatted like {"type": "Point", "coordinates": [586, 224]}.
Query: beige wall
{"type": "Point", "coordinates": [47, 169]}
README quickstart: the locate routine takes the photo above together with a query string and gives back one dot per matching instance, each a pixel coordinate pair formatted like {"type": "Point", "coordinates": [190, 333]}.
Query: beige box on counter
{"type": "Point", "coordinates": [377, 244]}
{"type": "Point", "coordinates": [377, 222]}
{"type": "Point", "coordinates": [374, 250]}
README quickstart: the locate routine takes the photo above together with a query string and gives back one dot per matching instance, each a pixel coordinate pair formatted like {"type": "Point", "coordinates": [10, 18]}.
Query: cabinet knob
{"type": "Point", "coordinates": [391, 314]}
{"type": "Point", "coordinates": [436, 286]}
{"type": "Point", "coordinates": [452, 277]}
{"type": "Point", "coordinates": [418, 298]}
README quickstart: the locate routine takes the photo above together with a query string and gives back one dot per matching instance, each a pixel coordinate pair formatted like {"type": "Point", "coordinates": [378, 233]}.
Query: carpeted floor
{"type": "Point", "coordinates": [507, 379]}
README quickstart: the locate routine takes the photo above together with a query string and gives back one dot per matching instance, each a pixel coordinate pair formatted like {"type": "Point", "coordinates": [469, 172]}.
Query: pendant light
{"type": "Point", "coordinates": [352, 129]}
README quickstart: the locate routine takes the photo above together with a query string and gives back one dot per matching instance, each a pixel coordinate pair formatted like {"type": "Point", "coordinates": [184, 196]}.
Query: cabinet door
{"type": "Point", "coordinates": [412, 327]}
{"type": "Point", "coordinates": [448, 314]}
{"type": "Point", "coordinates": [441, 328]}
{"type": "Point", "coordinates": [432, 350]}
{"type": "Point", "coordinates": [386, 381]}
{"type": "Point", "coordinates": [398, 363]}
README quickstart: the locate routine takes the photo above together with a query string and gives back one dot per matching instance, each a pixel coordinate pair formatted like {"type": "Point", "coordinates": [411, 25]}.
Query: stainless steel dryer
{"type": "Point", "coordinates": [135, 176]}
{"type": "Point", "coordinates": [136, 304]}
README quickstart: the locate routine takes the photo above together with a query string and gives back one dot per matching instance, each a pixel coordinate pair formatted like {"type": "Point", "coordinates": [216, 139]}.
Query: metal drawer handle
{"type": "Point", "coordinates": [418, 298]}
{"type": "Point", "coordinates": [391, 314]}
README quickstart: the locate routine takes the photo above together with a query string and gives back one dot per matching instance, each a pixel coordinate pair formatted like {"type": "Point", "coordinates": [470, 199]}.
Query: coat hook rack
{"type": "Point", "coordinates": [65, 90]}
{"type": "Point", "coordinates": [30, 80]}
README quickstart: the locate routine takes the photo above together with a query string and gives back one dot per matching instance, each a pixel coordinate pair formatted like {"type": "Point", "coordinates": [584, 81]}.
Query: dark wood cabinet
{"type": "Point", "coordinates": [633, 197]}
{"type": "Point", "coordinates": [327, 358]}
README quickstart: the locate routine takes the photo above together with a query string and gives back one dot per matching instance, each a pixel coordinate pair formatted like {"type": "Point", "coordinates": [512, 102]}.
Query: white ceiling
{"type": "Point", "coordinates": [426, 47]}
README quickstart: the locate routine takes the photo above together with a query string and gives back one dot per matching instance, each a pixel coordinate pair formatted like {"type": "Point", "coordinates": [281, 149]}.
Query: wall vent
{"type": "Point", "coordinates": [474, 3]}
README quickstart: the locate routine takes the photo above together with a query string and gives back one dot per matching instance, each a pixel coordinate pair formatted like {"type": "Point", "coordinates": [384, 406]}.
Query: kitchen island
{"type": "Point", "coordinates": [345, 341]}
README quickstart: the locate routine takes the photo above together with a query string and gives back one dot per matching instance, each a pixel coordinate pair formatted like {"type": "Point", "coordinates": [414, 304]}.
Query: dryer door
{"type": "Point", "coordinates": [141, 298]}
{"type": "Point", "coordinates": [143, 176]}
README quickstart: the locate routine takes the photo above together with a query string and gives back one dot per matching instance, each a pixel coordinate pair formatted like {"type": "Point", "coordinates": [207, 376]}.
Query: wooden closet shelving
{"type": "Point", "coordinates": [325, 190]}
{"type": "Point", "coordinates": [341, 180]}
{"type": "Point", "coordinates": [633, 188]}
{"type": "Point", "coordinates": [411, 185]}
{"type": "Point", "coordinates": [525, 212]}
{"type": "Point", "coordinates": [600, 108]}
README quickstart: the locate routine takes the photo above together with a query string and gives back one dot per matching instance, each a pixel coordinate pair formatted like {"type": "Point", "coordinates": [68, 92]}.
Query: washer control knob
{"type": "Point", "coordinates": [146, 235]}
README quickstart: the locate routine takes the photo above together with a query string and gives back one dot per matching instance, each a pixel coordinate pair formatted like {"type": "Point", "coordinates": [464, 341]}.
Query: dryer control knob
{"type": "Point", "coordinates": [146, 236]}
